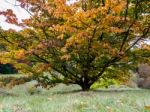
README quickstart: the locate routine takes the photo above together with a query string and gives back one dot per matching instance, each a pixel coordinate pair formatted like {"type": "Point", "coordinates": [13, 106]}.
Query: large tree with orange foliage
{"type": "Point", "coordinates": [76, 43]}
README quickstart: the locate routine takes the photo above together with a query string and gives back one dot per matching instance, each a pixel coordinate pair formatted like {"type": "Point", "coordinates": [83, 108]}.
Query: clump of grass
{"type": "Point", "coordinates": [33, 90]}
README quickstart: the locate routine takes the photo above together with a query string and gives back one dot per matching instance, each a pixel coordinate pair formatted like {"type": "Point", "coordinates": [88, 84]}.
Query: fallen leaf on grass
{"type": "Point", "coordinates": [1, 106]}
{"type": "Point", "coordinates": [49, 98]}
{"type": "Point", "coordinates": [147, 107]}
{"type": "Point", "coordinates": [109, 109]}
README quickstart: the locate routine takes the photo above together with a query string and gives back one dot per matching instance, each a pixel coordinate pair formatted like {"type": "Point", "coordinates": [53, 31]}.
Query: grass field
{"type": "Point", "coordinates": [70, 99]}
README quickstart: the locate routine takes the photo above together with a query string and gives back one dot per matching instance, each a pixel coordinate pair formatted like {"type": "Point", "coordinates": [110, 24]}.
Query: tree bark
{"type": "Point", "coordinates": [85, 86]}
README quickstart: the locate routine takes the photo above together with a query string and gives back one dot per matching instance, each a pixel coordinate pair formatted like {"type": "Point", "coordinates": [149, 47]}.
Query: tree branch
{"type": "Point", "coordinates": [126, 36]}
{"type": "Point", "coordinates": [145, 32]}
{"type": "Point", "coordinates": [126, 11]}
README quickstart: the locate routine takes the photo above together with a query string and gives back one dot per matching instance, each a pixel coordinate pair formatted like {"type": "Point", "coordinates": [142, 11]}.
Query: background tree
{"type": "Point", "coordinates": [6, 68]}
{"type": "Point", "coordinates": [77, 43]}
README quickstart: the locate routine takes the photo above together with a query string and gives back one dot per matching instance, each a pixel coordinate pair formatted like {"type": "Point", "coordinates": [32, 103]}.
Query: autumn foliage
{"type": "Point", "coordinates": [77, 43]}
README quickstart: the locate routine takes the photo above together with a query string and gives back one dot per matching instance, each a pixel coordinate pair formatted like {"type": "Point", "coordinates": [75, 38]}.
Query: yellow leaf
{"type": "Point", "coordinates": [65, 57]}
{"type": "Point", "coordinates": [147, 107]}
{"type": "Point", "coordinates": [61, 36]}
{"type": "Point", "coordinates": [20, 54]}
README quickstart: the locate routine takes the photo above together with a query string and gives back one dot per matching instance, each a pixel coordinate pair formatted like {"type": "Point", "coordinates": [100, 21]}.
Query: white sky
{"type": "Point", "coordinates": [20, 13]}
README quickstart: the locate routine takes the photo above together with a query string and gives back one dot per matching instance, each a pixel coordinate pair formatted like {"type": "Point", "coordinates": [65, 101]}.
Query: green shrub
{"type": "Point", "coordinates": [104, 83]}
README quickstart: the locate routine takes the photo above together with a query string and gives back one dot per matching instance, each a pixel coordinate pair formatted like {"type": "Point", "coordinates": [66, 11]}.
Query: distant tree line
{"type": "Point", "coordinates": [7, 69]}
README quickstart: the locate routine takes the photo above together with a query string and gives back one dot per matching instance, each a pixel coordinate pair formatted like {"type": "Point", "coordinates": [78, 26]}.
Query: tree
{"type": "Point", "coordinates": [76, 43]}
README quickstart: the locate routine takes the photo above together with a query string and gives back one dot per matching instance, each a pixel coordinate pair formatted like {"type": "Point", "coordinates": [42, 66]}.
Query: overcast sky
{"type": "Point", "coordinates": [21, 14]}
{"type": "Point", "coordinates": [8, 4]}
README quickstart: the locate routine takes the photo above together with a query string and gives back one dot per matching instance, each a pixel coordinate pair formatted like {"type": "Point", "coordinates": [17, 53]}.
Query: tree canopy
{"type": "Point", "coordinates": [78, 43]}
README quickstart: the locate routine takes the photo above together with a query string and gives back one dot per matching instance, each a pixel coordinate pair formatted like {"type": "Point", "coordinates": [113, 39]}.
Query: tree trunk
{"type": "Point", "coordinates": [85, 87]}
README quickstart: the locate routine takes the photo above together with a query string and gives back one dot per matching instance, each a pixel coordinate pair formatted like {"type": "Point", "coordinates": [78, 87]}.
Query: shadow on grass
{"type": "Point", "coordinates": [116, 90]}
{"type": "Point", "coordinates": [4, 93]}
{"type": "Point", "coordinates": [100, 91]}
{"type": "Point", "coordinates": [68, 92]}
